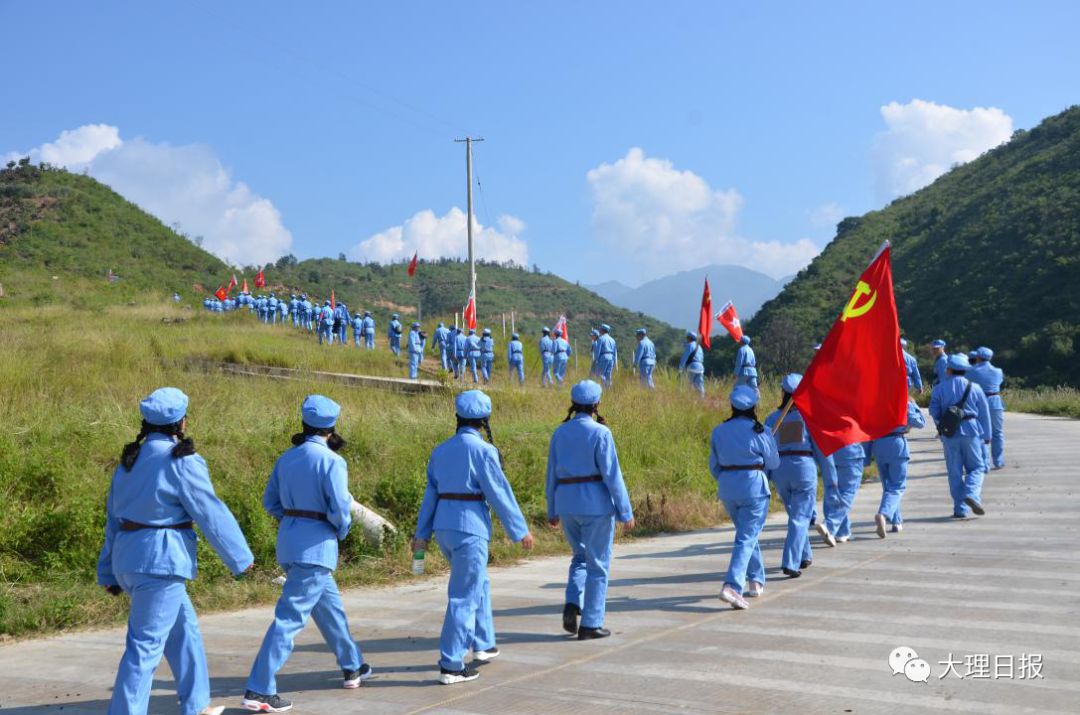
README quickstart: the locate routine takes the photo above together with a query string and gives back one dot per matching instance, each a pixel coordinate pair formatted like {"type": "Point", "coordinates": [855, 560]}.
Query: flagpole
{"type": "Point", "coordinates": [469, 213]}
{"type": "Point", "coordinates": [783, 414]}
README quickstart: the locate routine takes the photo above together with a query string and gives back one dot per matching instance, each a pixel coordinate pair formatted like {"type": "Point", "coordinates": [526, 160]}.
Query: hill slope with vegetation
{"type": "Point", "coordinates": [989, 254]}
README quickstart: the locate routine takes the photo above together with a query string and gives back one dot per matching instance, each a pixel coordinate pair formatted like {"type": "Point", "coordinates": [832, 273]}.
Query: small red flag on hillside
{"type": "Point", "coordinates": [855, 389]}
{"type": "Point", "coordinates": [412, 264]}
{"type": "Point", "coordinates": [333, 303]}
{"type": "Point", "coordinates": [232, 284]}
{"type": "Point", "coordinates": [245, 288]}
{"type": "Point", "coordinates": [221, 293]}
{"type": "Point", "coordinates": [560, 325]}
{"type": "Point", "coordinates": [260, 279]}
{"type": "Point", "coordinates": [705, 318]}
{"type": "Point", "coordinates": [730, 320]}
{"type": "Point", "coordinates": [469, 314]}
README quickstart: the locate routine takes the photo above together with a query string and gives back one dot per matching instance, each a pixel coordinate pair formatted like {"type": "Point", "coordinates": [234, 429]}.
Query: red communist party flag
{"type": "Point", "coordinates": [245, 288]}
{"type": "Point", "coordinates": [412, 264]}
{"type": "Point", "coordinates": [221, 293]}
{"type": "Point", "coordinates": [855, 389]}
{"type": "Point", "coordinates": [232, 284]}
{"type": "Point", "coordinates": [260, 279]}
{"type": "Point", "coordinates": [470, 314]}
{"type": "Point", "coordinates": [705, 319]}
{"type": "Point", "coordinates": [730, 320]}
{"type": "Point", "coordinates": [560, 325]}
{"type": "Point", "coordinates": [333, 303]}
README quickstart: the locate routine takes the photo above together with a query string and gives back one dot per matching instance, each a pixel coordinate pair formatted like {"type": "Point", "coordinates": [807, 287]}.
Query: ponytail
{"type": "Point", "coordinates": [749, 414]}
{"type": "Point", "coordinates": [481, 424]}
{"type": "Point", "coordinates": [184, 447]}
{"type": "Point", "coordinates": [131, 450]}
{"type": "Point", "coordinates": [333, 440]}
{"type": "Point", "coordinates": [591, 410]}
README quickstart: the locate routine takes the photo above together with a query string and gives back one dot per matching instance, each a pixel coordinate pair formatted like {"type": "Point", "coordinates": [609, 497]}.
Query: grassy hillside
{"type": "Point", "coordinates": [989, 254]}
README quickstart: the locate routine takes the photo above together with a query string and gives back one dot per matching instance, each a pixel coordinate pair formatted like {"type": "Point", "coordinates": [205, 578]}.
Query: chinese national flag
{"type": "Point", "coordinates": [232, 284]}
{"type": "Point", "coordinates": [245, 288]}
{"type": "Point", "coordinates": [412, 265]}
{"type": "Point", "coordinates": [855, 389]}
{"type": "Point", "coordinates": [221, 293]}
{"type": "Point", "coordinates": [705, 319]}
{"type": "Point", "coordinates": [560, 325]}
{"type": "Point", "coordinates": [730, 320]}
{"type": "Point", "coordinates": [333, 303]}
{"type": "Point", "coordinates": [260, 279]}
{"type": "Point", "coordinates": [469, 315]}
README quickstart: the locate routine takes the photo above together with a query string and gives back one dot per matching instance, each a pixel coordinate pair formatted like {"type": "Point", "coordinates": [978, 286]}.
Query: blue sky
{"type": "Point", "coordinates": [623, 140]}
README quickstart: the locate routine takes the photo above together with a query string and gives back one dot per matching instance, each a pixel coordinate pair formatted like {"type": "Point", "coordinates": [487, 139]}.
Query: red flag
{"type": "Point", "coordinates": [412, 265]}
{"type": "Point", "coordinates": [245, 288]}
{"type": "Point", "coordinates": [333, 303]}
{"type": "Point", "coordinates": [730, 320]}
{"type": "Point", "coordinates": [260, 279]}
{"type": "Point", "coordinates": [232, 284]}
{"type": "Point", "coordinates": [221, 293]}
{"type": "Point", "coordinates": [560, 325]}
{"type": "Point", "coordinates": [705, 319]}
{"type": "Point", "coordinates": [855, 389]}
{"type": "Point", "coordinates": [469, 315]}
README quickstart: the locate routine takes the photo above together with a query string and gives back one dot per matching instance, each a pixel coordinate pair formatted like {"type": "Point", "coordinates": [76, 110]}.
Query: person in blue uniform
{"type": "Point", "coordinates": [465, 481]}
{"type": "Point", "coordinates": [645, 359]}
{"type": "Point", "coordinates": [561, 358]}
{"type": "Point", "coordinates": [515, 357]}
{"type": "Point", "coordinates": [941, 361]}
{"type": "Point", "coordinates": [964, 458]}
{"type": "Point", "coordinates": [440, 338]}
{"type": "Point", "coordinates": [607, 353]}
{"type": "Point", "coordinates": [283, 311]}
{"type": "Point", "coordinates": [839, 495]}
{"type": "Point", "coordinates": [368, 329]}
{"type": "Point", "coordinates": [911, 367]}
{"type": "Point", "coordinates": [892, 456]}
{"type": "Point", "coordinates": [547, 357]}
{"type": "Point", "coordinates": [308, 494]}
{"type": "Point", "coordinates": [341, 322]}
{"type": "Point", "coordinates": [306, 308]}
{"type": "Point", "coordinates": [795, 478]}
{"type": "Point", "coordinates": [357, 323]}
{"type": "Point", "coordinates": [741, 451]}
{"type": "Point", "coordinates": [990, 378]}
{"type": "Point", "coordinates": [160, 489]}
{"type": "Point", "coordinates": [487, 354]}
{"type": "Point", "coordinates": [415, 350]}
{"type": "Point", "coordinates": [472, 354]}
{"type": "Point", "coordinates": [586, 494]}
{"type": "Point", "coordinates": [693, 363]}
{"type": "Point", "coordinates": [746, 364]}
{"type": "Point", "coordinates": [393, 334]}
{"type": "Point", "coordinates": [461, 349]}
{"type": "Point", "coordinates": [326, 324]}
{"type": "Point", "coordinates": [294, 309]}
{"type": "Point", "coordinates": [594, 353]}
{"type": "Point", "coordinates": [271, 309]}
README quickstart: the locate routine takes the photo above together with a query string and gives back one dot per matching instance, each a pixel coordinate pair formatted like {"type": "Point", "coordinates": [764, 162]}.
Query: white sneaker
{"type": "Point", "coordinates": [728, 595]}
{"type": "Point", "coordinates": [754, 589]}
{"type": "Point", "coordinates": [843, 539]}
{"type": "Point", "coordinates": [212, 710]}
{"type": "Point", "coordinates": [830, 540]}
{"type": "Point", "coordinates": [879, 522]}
{"type": "Point", "coordinates": [451, 677]}
{"type": "Point", "coordinates": [897, 528]}
{"type": "Point", "coordinates": [485, 655]}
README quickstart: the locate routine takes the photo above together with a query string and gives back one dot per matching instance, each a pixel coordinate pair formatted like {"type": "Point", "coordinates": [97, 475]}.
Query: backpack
{"type": "Point", "coordinates": [950, 421]}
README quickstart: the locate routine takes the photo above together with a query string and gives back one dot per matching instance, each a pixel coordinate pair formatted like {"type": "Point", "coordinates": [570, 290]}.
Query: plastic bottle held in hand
{"type": "Point", "coordinates": [418, 563]}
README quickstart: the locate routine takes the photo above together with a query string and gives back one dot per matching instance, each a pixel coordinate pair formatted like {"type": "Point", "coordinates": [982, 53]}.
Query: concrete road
{"type": "Point", "coordinates": [998, 593]}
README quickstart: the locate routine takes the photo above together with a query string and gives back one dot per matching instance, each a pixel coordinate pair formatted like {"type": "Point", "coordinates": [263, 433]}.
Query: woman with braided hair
{"type": "Point", "coordinates": [159, 491]}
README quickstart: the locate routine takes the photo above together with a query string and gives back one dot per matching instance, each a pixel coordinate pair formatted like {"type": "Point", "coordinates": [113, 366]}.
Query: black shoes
{"type": "Point", "coordinates": [805, 564]}
{"type": "Point", "coordinates": [585, 634]}
{"type": "Point", "coordinates": [570, 613]}
{"type": "Point", "coordinates": [792, 573]}
{"type": "Point", "coordinates": [450, 677]}
{"type": "Point", "coordinates": [265, 703]}
{"type": "Point", "coordinates": [975, 506]}
{"type": "Point", "coordinates": [353, 678]}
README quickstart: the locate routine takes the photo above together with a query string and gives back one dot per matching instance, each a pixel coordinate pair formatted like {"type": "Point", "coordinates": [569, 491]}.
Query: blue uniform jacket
{"type": "Point", "coordinates": [745, 362]}
{"type": "Point", "coordinates": [309, 477]}
{"type": "Point", "coordinates": [440, 339]}
{"type": "Point", "coordinates": [416, 346]}
{"type": "Point", "coordinates": [911, 367]}
{"type": "Point", "coordinates": [466, 464]}
{"type": "Point", "coordinates": [798, 469]}
{"type": "Point", "coordinates": [735, 444]}
{"type": "Point", "coordinates": [547, 348]}
{"type": "Point", "coordinates": [515, 352]}
{"type": "Point", "coordinates": [562, 349]}
{"type": "Point", "coordinates": [459, 345]}
{"type": "Point", "coordinates": [160, 490]}
{"type": "Point", "coordinates": [645, 353]}
{"type": "Point", "coordinates": [941, 364]}
{"type": "Point", "coordinates": [990, 379]}
{"type": "Point", "coordinates": [472, 346]}
{"type": "Point", "coordinates": [976, 422]}
{"type": "Point", "coordinates": [606, 348]}
{"type": "Point", "coordinates": [583, 447]}
{"type": "Point", "coordinates": [394, 328]}
{"type": "Point", "coordinates": [487, 347]}
{"type": "Point", "coordinates": [893, 446]}
{"type": "Point", "coordinates": [369, 325]}
{"type": "Point", "coordinates": [693, 358]}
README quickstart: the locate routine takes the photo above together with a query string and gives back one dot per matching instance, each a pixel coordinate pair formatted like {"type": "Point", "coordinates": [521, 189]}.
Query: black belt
{"type": "Point", "coordinates": [607, 353]}
{"type": "Point", "coordinates": [136, 526]}
{"type": "Point", "coordinates": [468, 496]}
{"type": "Point", "coordinates": [969, 417]}
{"type": "Point", "coordinates": [797, 453]}
{"type": "Point", "coordinates": [302, 514]}
{"type": "Point", "coordinates": [992, 394]}
{"type": "Point", "coordinates": [579, 480]}
{"type": "Point", "coordinates": [740, 467]}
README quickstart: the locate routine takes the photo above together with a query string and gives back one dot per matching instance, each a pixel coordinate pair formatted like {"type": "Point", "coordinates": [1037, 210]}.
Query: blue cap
{"type": "Point", "coordinates": [973, 354]}
{"type": "Point", "coordinates": [903, 343]}
{"type": "Point", "coordinates": [605, 327]}
{"type": "Point", "coordinates": [691, 334]}
{"type": "Point", "coordinates": [790, 383]}
{"type": "Point", "coordinates": [642, 331]}
{"type": "Point", "coordinates": [514, 336]}
{"type": "Point", "coordinates": [416, 325]}
{"type": "Point", "coordinates": [744, 397]}
{"type": "Point", "coordinates": [817, 346]}
{"type": "Point", "coordinates": [394, 316]}
{"type": "Point", "coordinates": [487, 331]}
{"type": "Point", "coordinates": [441, 325]}
{"type": "Point", "coordinates": [319, 411]}
{"type": "Point", "coordinates": [594, 332]}
{"type": "Point", "coordinates": [557, 333]}
{"type": "Point", "coordinates": [164, 406]}
{"type": "Point", "coordinates": [472, 331]}
{"type": "Point", "coordinates": [938, 344]}
{"type": "Point", "coordinates": [985, 353]}
{"type": "Point", "coordinates": [958, 361]}
{"type": "Point", "coordinates": [472, 405]}
{"type": "Point", "coordinates": [546, 329]}
{"type": "Point", "coordinates": [586, 392]}
{"type": "Point", "coordinates": [367, 313]}
{"type": "Point", "coordinates": [745, 340]}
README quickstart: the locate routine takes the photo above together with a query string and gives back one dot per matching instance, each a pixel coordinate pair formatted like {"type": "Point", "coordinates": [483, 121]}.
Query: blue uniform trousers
{"type": "Point", "coordinates": [395, 344]}
{"type": "Point", "coordinates": [369, 341]}
{"type": "Point", "coordinates": [751, 381]}
{"type": "Point", "coordinates": [444, 358]}
{"type": "Point", "coordinates": [995, 454]}
{"type": "Point", "coordinates": [893, 473]}
{"type": "Point", "coordinates": [468, 623]}
{"type": "Point", "coordinates": [546, 377]}
{"type": "Point", "coordinates": [799, 498]}
{"type": "Point", "coordinates": [560, 369]}
{"type": "Point", "coordinates": [308, 591]}
{"type": "Point", "coordinates": [356, 339]}
{"type": "Point", "coordinates": [748, 515]}
{"type": "Point", "coordinates": [342, 335]}
{"type": "Point", "coordinates": [161, 622]}
{"type": "Point", "coordinates": [964, 461]}
{"type": "Point", "coordinates": [325, 334]}
{"type": "Point", "coordinates": [519, 367]}
{"type": "Point", "coordinates": [697, 380]}
{"type": "Point", "coordinates": [472, 361]}
{"type": "Point", "coordinates": [838, 497]}
{"type": "Point", "coordinates": [414, 365]}
{"type": "Point", "coordinates": [485, 366]}
{"type": "Point", "coordinates": [590, 539]}
{"type": "Point", "coordinates": [645, 375]}
{"type": "Point", "coordinates": [605, 365]}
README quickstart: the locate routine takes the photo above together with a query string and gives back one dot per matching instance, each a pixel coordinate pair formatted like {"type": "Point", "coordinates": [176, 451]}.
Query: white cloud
{"type": "Point", "coordinates": [433, 236]}
{"type": "Point", "coordinates": [924, 139]}
{"type": "Point", "coordinates": [661, 220]}
{"type": "Point", "coordinates": [178, 184]}
{"type": "Point", "coordinates": [826, 216]}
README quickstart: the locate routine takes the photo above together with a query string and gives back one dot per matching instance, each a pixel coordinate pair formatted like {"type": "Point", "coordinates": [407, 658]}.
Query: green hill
{"type": "Point", "coordinates": [55, 223]}
{"type": "Point", "coordinates": [989, 254]}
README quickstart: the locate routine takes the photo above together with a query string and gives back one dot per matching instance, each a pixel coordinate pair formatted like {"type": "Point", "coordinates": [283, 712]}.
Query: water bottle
{"type": "Point", "coordinates": [418, 562]}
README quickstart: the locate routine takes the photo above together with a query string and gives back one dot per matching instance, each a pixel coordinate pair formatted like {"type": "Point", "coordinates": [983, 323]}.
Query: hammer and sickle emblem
{"type": "Point", "coordinates": [853, 310]}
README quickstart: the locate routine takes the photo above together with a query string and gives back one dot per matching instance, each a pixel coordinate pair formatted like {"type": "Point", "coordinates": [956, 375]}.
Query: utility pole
{"type": "Point", "coordinates": [468, 197]}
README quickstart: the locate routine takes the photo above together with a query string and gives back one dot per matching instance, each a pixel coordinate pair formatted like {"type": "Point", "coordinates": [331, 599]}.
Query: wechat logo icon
{"type": "Point", "coordinates": [906, 661]}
